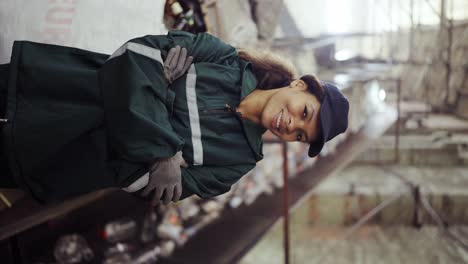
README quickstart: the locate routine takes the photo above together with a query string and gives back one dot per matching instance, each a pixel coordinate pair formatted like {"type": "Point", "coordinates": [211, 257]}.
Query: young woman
{"type": "Point", "coordinates": [75, 121]}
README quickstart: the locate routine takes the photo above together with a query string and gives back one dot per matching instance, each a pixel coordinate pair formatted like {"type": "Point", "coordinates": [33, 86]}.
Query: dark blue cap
{"type": "Point", "coordinates": [333, 117]}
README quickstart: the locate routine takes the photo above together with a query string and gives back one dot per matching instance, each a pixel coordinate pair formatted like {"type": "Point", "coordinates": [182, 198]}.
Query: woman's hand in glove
{"type": "Point", "coordinates": [165, 178]}
{"type": "Point", "coordinates": [176, 63]}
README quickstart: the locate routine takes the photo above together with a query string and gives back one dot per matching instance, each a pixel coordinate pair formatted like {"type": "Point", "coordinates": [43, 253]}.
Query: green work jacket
{"type": "Point", "coordinates": [81, 121]}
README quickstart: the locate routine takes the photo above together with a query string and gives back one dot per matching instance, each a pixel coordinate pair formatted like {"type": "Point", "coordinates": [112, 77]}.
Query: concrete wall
{"type": "Point", "coordinates": [97, 25]}
{"type": "Point", "coordinates": [423, 66]}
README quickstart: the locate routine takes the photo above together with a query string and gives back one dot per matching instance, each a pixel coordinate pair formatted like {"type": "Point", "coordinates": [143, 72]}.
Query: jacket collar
{"type": "Point", "coordinates": [252, 131]}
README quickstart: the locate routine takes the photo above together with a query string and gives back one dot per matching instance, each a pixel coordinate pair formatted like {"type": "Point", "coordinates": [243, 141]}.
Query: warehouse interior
{"type": "Point", "coordinates": [392, 189]}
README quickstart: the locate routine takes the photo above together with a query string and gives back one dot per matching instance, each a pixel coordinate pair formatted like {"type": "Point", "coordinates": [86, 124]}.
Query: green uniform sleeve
{"type": "Point", "coordinates": [203, 47]}
{"type": "Point", "coordinates": [137, 98]}
{"type": "Point", "coordinates": [137, 103]}
{"type": "Point", "coordinates": [209, 181]}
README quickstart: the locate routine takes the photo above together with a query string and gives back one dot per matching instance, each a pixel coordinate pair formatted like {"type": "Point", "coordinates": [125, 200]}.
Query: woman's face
{"type": "Point", "coordinates": [292, 113]}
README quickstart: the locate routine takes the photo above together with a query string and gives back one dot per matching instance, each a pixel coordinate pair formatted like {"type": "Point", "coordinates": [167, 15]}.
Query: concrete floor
{"type": "Point", "coordinates": [317, 227]}
{"type": "Point", "coordinates": [370, 245]}
{"type": "Point", "coordinates": [344, 198]}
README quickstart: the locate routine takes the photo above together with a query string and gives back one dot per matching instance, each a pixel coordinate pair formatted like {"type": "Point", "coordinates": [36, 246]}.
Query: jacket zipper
{"type": "Point", "coordinates": [225, 109]}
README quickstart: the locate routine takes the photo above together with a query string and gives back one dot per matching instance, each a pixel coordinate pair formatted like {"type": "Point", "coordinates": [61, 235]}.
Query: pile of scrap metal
{"type": "Point", "coordinates": [241, 23]}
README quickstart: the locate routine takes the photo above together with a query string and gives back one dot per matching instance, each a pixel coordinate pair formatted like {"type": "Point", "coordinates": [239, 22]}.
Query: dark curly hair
{"type": "Point", "coordinates": [273, 72]}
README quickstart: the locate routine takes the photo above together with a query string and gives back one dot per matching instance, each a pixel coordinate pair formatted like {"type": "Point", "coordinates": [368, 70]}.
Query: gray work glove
{"type": "Point", "coordinates": [165, 177]}
{"type": "Point", "coordinates": [176, 63]}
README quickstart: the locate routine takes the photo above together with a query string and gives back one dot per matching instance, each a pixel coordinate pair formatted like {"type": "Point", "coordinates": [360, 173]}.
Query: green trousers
{"type": "Point", "coordinates": [6, 179]}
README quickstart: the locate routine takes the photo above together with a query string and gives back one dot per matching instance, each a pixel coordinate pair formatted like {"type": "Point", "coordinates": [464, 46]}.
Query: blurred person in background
{"type": "Point", "coordinates": [164, 117]}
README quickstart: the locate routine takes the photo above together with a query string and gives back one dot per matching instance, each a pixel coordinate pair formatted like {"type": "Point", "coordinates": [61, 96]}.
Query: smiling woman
{"type": "Point", "coordinates": [291, 108]}
{"type": "Point", "coordinates": [289, 112]}
{"type": "Point", "coordinates": [151, 122]}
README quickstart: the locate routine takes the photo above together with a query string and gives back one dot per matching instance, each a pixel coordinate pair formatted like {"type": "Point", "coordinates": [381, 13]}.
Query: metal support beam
{"type": "Point", "coordinates": [285, 203]}
{"type": "Point", "coordinates": [412, 31]}
{"type": "Point", "coordinates": [397, 124]}
{"type": "Point", "coordinates": [448, 61]}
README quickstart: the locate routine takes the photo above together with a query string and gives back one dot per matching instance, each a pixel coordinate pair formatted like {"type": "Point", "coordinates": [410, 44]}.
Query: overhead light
{"type": "Point", "coordinates": [382, 95]}
{"type": "Point", "coordinates": [343, 55]}
{"type": "Point", "coordinates": [341, 78]}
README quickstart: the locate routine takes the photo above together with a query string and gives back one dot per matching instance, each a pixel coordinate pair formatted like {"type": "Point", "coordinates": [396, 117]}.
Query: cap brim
{"type": "Point", "coordinates": [324, 119]}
